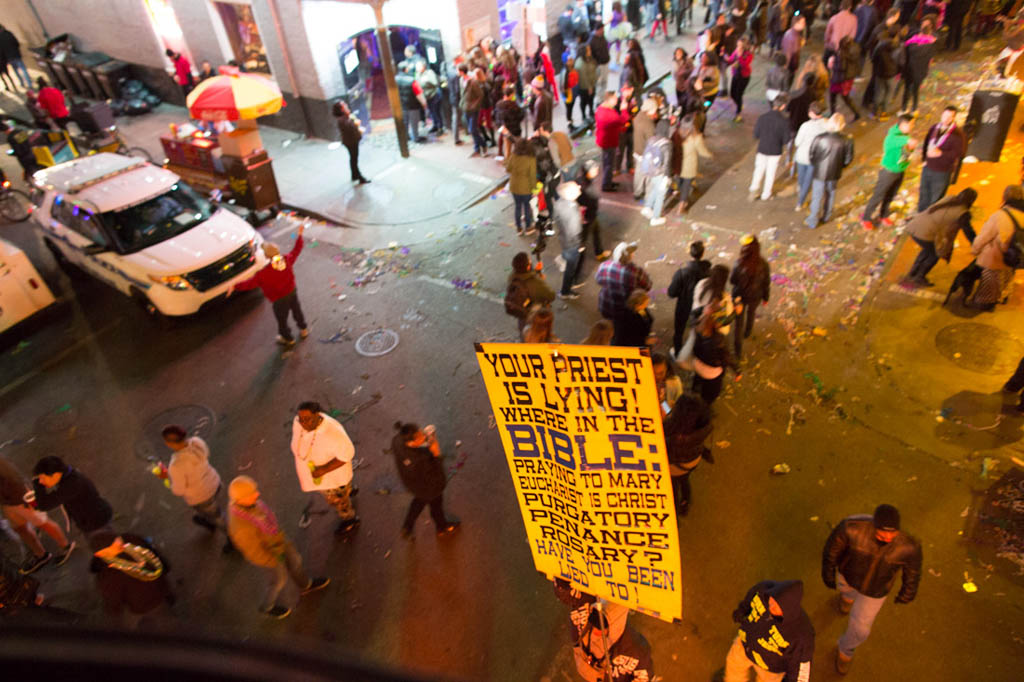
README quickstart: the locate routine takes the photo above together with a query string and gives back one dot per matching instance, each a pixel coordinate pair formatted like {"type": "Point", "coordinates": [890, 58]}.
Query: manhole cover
{"type": "Point", "coordinates": [198, 420]}
{"type": "Point", "coordinates": [980, 348]}
{"type": "Point", "coordinates": [377, 342]}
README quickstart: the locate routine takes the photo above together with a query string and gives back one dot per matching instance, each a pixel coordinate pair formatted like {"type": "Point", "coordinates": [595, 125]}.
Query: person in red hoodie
{"type": "Point", "coordinates": [277, 280]}
{"type": "Point", "coordinates": [52, 102]}
{"type": "Point", "coordinates": [610, 119]}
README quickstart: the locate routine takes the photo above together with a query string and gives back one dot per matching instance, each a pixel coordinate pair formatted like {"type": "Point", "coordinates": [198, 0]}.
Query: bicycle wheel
{"type": "Point", "coordinates": [15, 205]}
{"type": "Point", "coordinates": [137, 152]}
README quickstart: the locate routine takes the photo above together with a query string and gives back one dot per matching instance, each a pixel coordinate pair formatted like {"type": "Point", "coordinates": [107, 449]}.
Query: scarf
{"type": "Point", "coordinates": [258, 515]}
{"type": "Point", "coordinates": [142, 565]}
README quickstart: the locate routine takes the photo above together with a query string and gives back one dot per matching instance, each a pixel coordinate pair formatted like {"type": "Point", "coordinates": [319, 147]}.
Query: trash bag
{"type": "Point", "coordinates": [135, 107]}
{"type": "Point", "coordinates": [131, 88]}
{"type": "Point", "coordinates": [152, 99]}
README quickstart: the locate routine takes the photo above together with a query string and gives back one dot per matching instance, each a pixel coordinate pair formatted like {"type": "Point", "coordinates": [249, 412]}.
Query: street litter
{"type": "Point", "coordinates": [780, 469]}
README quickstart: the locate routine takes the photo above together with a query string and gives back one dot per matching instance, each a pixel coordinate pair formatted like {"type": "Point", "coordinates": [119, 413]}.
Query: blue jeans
{"type": "Point", "coordinates": [657, 188]}
{"type": "Point", "coordinates": [821, 189]}
{"type": "Point", "coordinates": [523, 210]}
{"type": "Point", "coordinates": [926, 259]}
{"type": "Point", "coordinates": [573, 258]}
{"type": "Point", "coordinates": [933, 187]}
{"type": "Point", "coordinates": [862, 616]}
{"type": "Point", "coordinates": [803, 182]}
{"type": "Point", "coordinates": [21, 72]}
{"type": "Point", "coordinates": [473, 126]}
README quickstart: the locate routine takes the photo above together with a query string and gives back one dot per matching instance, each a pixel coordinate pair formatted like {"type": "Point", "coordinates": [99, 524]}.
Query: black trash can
{"type": "Point", "coordinates": [988, 123]}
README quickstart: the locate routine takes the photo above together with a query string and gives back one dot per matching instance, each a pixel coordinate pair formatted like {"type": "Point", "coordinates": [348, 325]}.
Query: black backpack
{"type": "Point", "coordinates": [1014, 255]}
{"type": "Point", "coordinates": [517, 298]}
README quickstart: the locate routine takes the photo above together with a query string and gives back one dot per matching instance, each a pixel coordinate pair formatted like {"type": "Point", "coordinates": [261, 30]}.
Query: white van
{"type": "Point", "coordinates": [141, 229]}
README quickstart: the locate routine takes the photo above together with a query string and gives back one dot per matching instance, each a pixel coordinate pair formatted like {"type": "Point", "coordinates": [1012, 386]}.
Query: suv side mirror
{"type": "Point", "coordinates": [94, 249]}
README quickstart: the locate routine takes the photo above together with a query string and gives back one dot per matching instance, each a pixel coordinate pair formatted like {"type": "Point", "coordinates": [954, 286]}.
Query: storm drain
{"type": "Point", "coordinates": [376, 343]}
{"type": "Point", "coordinates": [980, 348]}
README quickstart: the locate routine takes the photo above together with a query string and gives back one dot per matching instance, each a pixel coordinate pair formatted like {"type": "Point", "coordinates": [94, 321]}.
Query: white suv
{"type": "Point", "coordinates": [141, 229]}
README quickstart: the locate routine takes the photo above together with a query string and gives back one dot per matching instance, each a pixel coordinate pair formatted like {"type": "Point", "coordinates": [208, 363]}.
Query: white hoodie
{"type": "Point", "coordinates": [192, 477]}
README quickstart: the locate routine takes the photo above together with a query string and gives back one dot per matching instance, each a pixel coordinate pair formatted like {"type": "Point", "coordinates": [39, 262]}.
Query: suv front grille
{"type": "Point", "coordinates": [222, 270]}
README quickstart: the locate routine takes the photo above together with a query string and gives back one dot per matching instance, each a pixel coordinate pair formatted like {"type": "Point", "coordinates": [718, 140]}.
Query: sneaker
{"type": "Point", "coordinates": [656, 222]}
{"type": "Point", "coordinates": [304, 333]}
{"type": "Point", "coordinates": [61, 557]}
{"type": "Point", "coordinates": [646, 212]}
{"type": "Point", "coordinates": [288, 343]}
{"type": "Point", "coordinates": [316, 584]}
{"type": "Point", "coordinates": [843, 663]}
{"type": "Point", "coordinates": [798, 209]}
{"type": "Point", "coordinates": [450, 526]}
{"type": "Point", "coordinates": [278, 612]}
{"type": "Point", "coordinates": [33, 564]}
{"type": "Point", "coordinates": [867, 224]}
{"type": "Point", "coordinates": [887, 222]}
{"type": "Point", "coordinates": [571, 296]}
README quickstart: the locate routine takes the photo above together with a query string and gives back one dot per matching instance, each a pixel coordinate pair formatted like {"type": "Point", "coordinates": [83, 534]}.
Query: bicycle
{"type": "Point", "coordinates": [110, 140]}
{"type": "Point", "coordinates": [15, 205]}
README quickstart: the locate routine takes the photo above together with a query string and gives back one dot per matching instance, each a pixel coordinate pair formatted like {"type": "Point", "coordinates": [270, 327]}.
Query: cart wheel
{"type": "Point", "coordinates": [15, 205]}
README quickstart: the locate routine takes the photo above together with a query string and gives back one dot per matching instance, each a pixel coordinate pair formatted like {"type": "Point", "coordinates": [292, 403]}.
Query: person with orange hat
{"type": "Point", "coordinates": [256, 534]}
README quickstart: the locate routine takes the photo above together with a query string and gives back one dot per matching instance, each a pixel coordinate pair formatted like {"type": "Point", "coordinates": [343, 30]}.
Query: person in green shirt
{"type": "Point", "coordinates": [896, 151]}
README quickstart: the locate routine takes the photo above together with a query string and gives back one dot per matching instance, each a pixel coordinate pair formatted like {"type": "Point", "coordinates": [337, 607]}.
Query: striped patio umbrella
{"type": "Point", "coordinates": [233, 96]}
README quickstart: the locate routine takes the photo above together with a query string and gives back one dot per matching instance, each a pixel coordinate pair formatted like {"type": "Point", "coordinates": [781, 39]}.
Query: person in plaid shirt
{"type": "Point", "coordinates": [618, 278]}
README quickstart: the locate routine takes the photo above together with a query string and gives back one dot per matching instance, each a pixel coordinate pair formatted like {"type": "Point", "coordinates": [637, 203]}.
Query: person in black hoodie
{"type": "Point", "coordinates": [57, 484]}
{"type": "Point", "coordinates": [687, 427]}
{"type": "Point", "coordinates": [776, 637]}
{"type": "Point", "coordinates": [418, 460]}
{"type": "Point", "coordinates": [681, 289]}
{"type": "Point", "coordinates": [884, 69]}
{"type": "Point", "coordinates": [351, 134]}
{"type": "Point", "coordinates": [751, 281]}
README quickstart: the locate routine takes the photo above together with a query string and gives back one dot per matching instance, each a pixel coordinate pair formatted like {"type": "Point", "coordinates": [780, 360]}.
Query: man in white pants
{"type": "Point", "coordinates": [772, 134]}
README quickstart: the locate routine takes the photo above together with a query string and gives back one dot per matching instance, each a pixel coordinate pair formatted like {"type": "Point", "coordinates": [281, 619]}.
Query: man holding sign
{"type": "Point", "coordinates": [581, 429]}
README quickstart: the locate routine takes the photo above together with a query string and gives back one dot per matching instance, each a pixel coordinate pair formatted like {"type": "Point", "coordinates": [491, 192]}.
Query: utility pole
{"type": "Point", "coordinates": [387, 63]}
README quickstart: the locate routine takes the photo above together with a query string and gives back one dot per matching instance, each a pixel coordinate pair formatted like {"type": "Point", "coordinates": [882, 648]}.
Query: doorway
{"type": "Point", "coordinates": [363, 74]}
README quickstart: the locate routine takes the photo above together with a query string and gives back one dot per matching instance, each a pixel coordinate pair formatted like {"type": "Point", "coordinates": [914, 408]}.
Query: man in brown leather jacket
{"type": "Point", "coordinates": [862, 557]}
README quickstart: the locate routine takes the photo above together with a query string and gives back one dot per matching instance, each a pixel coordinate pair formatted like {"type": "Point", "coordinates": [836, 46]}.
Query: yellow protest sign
{"type": "Point", "coordinates": [582, 433]}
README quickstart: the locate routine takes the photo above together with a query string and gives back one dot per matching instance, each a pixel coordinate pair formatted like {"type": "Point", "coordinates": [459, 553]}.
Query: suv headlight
{"type": "Point", "coordinates": [176, 282]}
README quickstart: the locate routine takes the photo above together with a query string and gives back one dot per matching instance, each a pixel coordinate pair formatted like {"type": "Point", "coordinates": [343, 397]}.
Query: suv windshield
{"type": "Point", "coordinates": [160, 218]}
